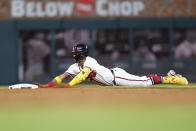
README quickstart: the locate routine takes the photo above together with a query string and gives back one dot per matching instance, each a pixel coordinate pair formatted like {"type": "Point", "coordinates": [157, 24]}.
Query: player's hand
{"type": "Point", "coordinates": [92, 74]}
{"type": "Point", "coordinates": [41, 85]}
{"type": "Point", "coordinates": [50, 84]}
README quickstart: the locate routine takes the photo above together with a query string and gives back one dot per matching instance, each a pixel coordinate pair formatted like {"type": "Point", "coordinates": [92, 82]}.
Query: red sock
{"type": "Point", "coordinates": [156, 79]}
{"type": "Point", "coordinates": [150, 75]}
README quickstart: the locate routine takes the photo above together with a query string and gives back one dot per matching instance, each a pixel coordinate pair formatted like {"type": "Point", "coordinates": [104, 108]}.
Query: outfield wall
{"type": "Point", "coordinates": [10, 30]}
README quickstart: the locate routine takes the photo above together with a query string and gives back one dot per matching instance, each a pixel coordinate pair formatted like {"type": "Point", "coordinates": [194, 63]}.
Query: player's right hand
{"type": "Point", "coordinates": [41, 85]}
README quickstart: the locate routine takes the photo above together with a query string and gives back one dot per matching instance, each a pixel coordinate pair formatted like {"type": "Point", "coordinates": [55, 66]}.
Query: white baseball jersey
{"type": "Point", "coordinates": [104, 75]}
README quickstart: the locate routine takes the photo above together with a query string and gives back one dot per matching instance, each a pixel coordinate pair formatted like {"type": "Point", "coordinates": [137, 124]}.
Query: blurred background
{"type": "Point", "coordinates": [140, 36]}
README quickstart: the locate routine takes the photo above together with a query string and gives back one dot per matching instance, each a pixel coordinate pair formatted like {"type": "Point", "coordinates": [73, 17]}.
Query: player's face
{"type": "Point", "coordinates": [76, 56]}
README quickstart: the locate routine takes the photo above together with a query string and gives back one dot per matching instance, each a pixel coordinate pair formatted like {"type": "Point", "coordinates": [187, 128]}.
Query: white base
{"type": "Point", "coordinates": [23, 86]}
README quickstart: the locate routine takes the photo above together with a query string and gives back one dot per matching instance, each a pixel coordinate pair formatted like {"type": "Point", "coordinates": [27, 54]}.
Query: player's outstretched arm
{"type": "Point", "coordinates": [80, 77]}
{"type": "Point", "coordinates": [56, 81]}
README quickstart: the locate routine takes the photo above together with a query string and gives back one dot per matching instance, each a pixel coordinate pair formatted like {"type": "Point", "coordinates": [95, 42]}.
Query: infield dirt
{"type": "Point", "coordinates": [97, 96]}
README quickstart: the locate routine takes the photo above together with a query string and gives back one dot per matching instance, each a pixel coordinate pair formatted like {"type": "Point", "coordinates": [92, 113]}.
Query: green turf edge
{"type": "Point", "coordinates": [168, 86]}
{"type": "Point", "coordinates": [4, 87]}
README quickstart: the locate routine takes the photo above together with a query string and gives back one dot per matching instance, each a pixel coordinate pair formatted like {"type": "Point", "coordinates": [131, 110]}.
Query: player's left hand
{"type": "Point", "coordinates": [41, 85]}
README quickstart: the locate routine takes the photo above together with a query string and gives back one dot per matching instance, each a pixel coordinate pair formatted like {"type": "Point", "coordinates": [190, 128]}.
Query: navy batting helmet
{"type": "Point", "coordinates": [80, 52]}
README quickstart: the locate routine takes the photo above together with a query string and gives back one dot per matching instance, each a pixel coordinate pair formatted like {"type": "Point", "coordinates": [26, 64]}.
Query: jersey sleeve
{"type": "Point", "coordinates": [90, 63]}
{"type": "Point", "coordinates": [73, 70]}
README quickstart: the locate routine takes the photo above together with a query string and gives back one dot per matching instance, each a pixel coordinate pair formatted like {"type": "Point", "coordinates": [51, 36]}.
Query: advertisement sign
{"type": "Point", "coordinates": [51, 9]}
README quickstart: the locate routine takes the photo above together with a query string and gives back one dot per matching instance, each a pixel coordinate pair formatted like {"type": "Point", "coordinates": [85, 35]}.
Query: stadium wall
{"type": "Point", "coordinates": [10, 29]}
{"type": "Point", "coordinates": [8, 51]}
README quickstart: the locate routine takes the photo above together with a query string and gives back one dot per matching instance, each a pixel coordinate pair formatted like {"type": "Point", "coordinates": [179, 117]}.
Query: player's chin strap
{"type": "Point", "coordinates": [80, 77]}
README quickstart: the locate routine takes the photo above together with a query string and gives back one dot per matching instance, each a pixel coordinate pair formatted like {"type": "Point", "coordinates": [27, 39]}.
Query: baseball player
{"type": "Point", "coordinates": [86, 67]}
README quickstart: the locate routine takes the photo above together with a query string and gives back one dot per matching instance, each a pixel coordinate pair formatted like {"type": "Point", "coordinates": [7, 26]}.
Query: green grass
{"type": "Point", "coordinates": [3, 87]}
{"type": "Point", "coordinates": [190, 86]}
{"type": "Point", "coordinates": [95, 119]}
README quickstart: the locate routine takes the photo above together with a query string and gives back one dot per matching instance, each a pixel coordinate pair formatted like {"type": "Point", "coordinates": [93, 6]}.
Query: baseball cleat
{"type": "Point", "coordinates": [176, 79]}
